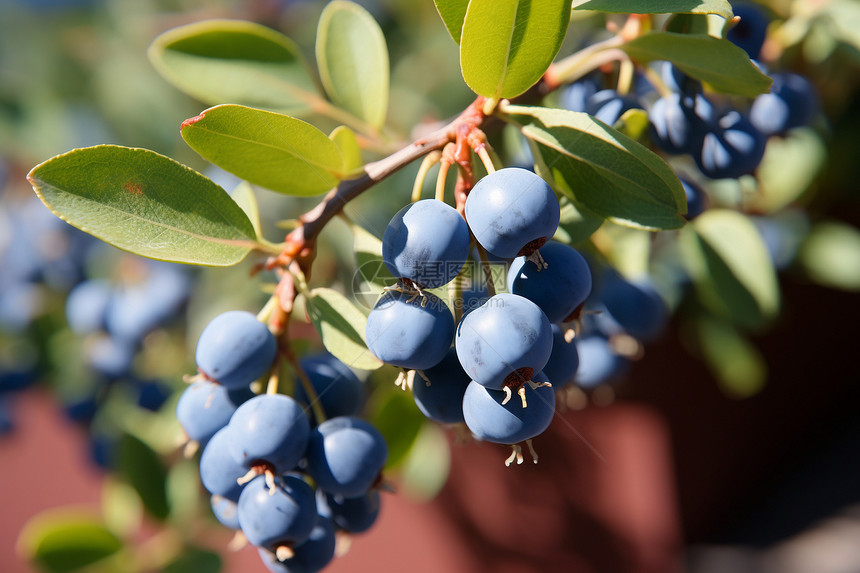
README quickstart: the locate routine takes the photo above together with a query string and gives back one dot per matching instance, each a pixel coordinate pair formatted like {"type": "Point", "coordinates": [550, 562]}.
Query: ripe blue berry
{"type": "Point", "coordinates": [338, 388]}
{"type": "Point", "coordinates": [345, 456]}
{"type": "Point", "coordinates": [426, 242]}
{"type": "Point", "coordinates": [86, 306]}
{"type": "Point", "coordinates": [635, 306]}
{"type": "Point", "coordinates": [679, 123]}
{"type": "Point", "coordinates": [608, 105]}
{"type": "Point", "coordinates": [508, 423]}
{"type": "Point", "coordinates": [733, 147]}
{"type": "Point", "coordinates": [678, 81]}
{"type": "Point", "coordinates": [311, 555]}
{"type": "Point", "coordinates": [226, 511]}
{"type": "Point", "coordinates": [504, 341]}
{"type": "Point", "coordinates": [697, 199]}
{"type": "Point", "coordinates": [235, 349]}
{"type": "Point", "coordinates": [791, 102]}
{"type": "Point", "coordinates": [285, 517]}
{"type": "Point", "coordinates": [350, 514]}
{"type": "Point", "coordinates": [575, 96]}
{"type": "Point", "coordinates": [271, 429]}
{"type": "Point", "coordinates": [219, 472]}
{"type": "Point", "coordinates": [564, 360]}
{"type": "Point", "coordinates": [512, 212]}
{"type": "Point", "coordinates": [558, 289]}
{"type": "Point", "coordinates": [205, 407]}
{"type": "Point", "coordinates": [441, 398]}
{"type": "Point", "coordinates": [598, 363]}
{"type": "Point", "coordinates": [409, 331]}
{"type": "Point", "coordinates": [750, 32]}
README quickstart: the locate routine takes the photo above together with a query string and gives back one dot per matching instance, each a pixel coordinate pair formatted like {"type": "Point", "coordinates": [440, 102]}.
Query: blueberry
{"type": "Point", "coordinates": [152, 394]}
{"type": "Point", "coordinates": [111, 357]}
{"type": "Point", "coordinates": [557, 289]}
{"type": "Point", "coordinates": [235, 349]}
{"type": "Point", "coordinates": [205, 407]}
{"type": "Point", "coordinates": [218, 470]}
{"type": "Point", "coordinates": [512, 212]}
{"type": "Point", "coordinates": [226, 511]}
{"type": "Point", "coordinates": [345, 456]}
{"type": "Point", "coordinates": [351, 514]}
{"type": "Point", "coordinates": [598, 363]}
{"type": "Point", "coordinates": [271, 429]}
{"type": "Point", "coordinates": [504, 341]}
{"type": "Point", "coordinates": [441, 398]}
{"type": "Point", "coordinates": [564, 360]}
{"type": "Point", "coordinates": [339, 390]}
{"type": "Point", "coordinates": [635, 306]}
{"type": "Point", "coordinates": [285, 517]}
{"type": "Point", "coordinates": [750, 32]}
{"type": "Point", "coordinates": [679, 123]}
{"type": "Point", "coordinates": [608, 105]}
{"type": "Point", "coordinates": [87, 304]}
{"type": "Point", "coordinates": [426, 242]}
{"type": "Point", "coordinates": [697, 199]}
{"type": "Point", "coordinates": [409, 331]}
{"type": "Point", "coordinates": [511, 423]}
{"type": "Point", "coordinates": [792, 102]}
{"type": "Point", "coordinates": [734, 147]}
{"type": "Point", "coordinates": [677, 81]}
{"type": "Point", "coordinates": [575, 96]}
{"type": "Point", "coordinates": [311, 555]}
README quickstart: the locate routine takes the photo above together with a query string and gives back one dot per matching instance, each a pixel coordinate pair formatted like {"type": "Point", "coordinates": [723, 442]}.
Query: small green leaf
{"type": "Point", "coordinates": [577, 223]}
{"type": "Point", "coordinates": [831, 255]}
{"type": "Point", "coordinates": [143, 469]}
{"type": "Point", "coordinates": [268, 149]}
{"type": "Point", "coordinates": [737, 364]}
{"type": "Point", "coordinates": [789, 166]}
{"type": "Point", "coordinates": [244, 197]}
{"type": "Point", "coordinates": [368, 255]}
{"type": "Point", "coordinates": [195, 560]}
{"type": "Point", "coordinates": [341, 326]}
{"type": "Point", "coordinates": [220, 61]}
{"type": "Point", "coordinates": [346, 141]}
{"type": "Point", "coordinates": [63, 540]}
{"type": "Point", "coordinates": [507, 46]}
{"type": "Point", "coordinates": [353, 61]}
{"type": "Point", "coordinates": [426, 467]}
{"type": "Point", "coordinates": [721, 7]}
{"type": "Point", "coordinates": [121, 508]}
{"type": "Point", "coordinates": [633, 123]}
{"type": "Point", "coordinates": [395, 415]}
{"type": "Point", "coordinates": [715, 61]}
{"type": "Point", "coordinates": [603, 169]}
{"type": "Point", "coordinates": [145, 203]}
{"type": "Point", "coordinates": [731, 268]}
{"type": "Point", "coordinates": [453, 12]}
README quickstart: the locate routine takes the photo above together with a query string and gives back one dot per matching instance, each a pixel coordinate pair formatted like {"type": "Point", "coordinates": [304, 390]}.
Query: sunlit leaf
{"type": "Point", "coordinates": [394, 413]}
{"type": "Point", "coordinates": [453, 12]}
{"type": "Point", "coordinates": [426, 467]}
{"type": "Point", "coordinates": [144, 470]}
{"type": "Point", "coordinates": [341, 325]}
{"type": "Point", "coordinates": [63, 540]}
{"type": "Point", "coordinates": [347, 143]}
{"type": "Point", "coordinates": [721, 7]}
{"type": "Point", "coordinates": [831, 255]}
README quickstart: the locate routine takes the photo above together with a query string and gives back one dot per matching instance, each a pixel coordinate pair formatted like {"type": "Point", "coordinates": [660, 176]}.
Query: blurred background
{"type": "Point", "coordinates": [717, 449]}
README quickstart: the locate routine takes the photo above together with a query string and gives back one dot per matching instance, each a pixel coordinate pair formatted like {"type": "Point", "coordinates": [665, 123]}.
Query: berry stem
{"type": "Point", "coordinates": [429, 161]}
{"type": "Point", "coordinates": [307, 386]}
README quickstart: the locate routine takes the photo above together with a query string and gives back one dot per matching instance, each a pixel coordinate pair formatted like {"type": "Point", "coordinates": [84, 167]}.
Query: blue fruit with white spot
{"type": "Point", "coordinates": [235, 349]}
{"type": "Point", "coordinates": [792, 102]}
{"type": "Point", "coordinates": [426, 242]}
{"type": "Point", "coordinates": [564, 360]}
{"type": "Point", "coordinates": [679, 123]}
{"type": "Point", "coordinates": [345, 456]}
{"type": "Point", "coordinates": [440, 395]}
{"type": "Point", "coordinates": [512, 212]}
{"type": "Point", "coordinates": [311, 555]}
{"type": "Point", "coordinates": [271, 429]}
{"type": "Point", "coordinates": [733, 147]}
{"type": "Point", "coordinates": [508, 423]}
{"type": "Point", "coordinates": [409, 331]}
{"type": "Point", "coordinates": [504, 341]}
{"type": "Point", "coordinates": [285, 517]}
{"type": "Point", "coordinates": [205, 407]}
{"type": "Point", "coordinates": [559, 288]}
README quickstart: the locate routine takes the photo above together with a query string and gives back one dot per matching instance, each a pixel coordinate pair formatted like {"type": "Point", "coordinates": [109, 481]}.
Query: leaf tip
{"type": "Point", "coordinates": [192, 120]}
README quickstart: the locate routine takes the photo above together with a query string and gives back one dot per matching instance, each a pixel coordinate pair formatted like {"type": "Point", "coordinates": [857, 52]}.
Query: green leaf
{"type": "Point", "coordinates": [145, 203]}
{"type": "Point", "coordinates": [347, 142]}
{"type": "Point", "coordinates": [195, 560]}
{"type": "Point", "coordinates": [507, 46]}
{"type": "Point", "coordinates": [143, 469]}
{"type": "Point", "coordinates": [220, 61]}
{"type": "Point", "coordinates": [244, 197]}
{"type": "Point", "coordinates": [633, 123]}
{"type": "Point", "coordinates": [121, 508]}
{"type": "Point", "coordinates": [341, 326]}
{"type": "Point", "coordinates": [789, 166]}
{"type": "Point", "coordinates": [395, 415]}
{"type": "Point", "coordinates": [603, 169]}
{"type": "Point", "coordinates": [737, 364]}
{"type": "Point", "coordinates": [353, 61]}
{"type": "Point", "coordinates": [63, 540]}
{"type": "Point", "coordinates": [731, 268]}
{"type": "Point", "coordinates": [268, 149]}
{"type": "Point", "coordinates": [831, 255]}
{"type": "Point", "coordinates": [426, 467]}
{"type": "Point", "coordinates": [453, 12]}
{"type": "Point", "coordinates": [721, 7]}
{"type": "Point", "coordinates": [368, 254]}
{"type": "Point", "coordinates": [715, 61]}
{"type": "Point", "coordinates": [577, 223]}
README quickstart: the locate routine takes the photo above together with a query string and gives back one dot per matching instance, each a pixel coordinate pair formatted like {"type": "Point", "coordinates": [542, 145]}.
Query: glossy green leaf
{"type": "Point", "coordinates": [715, 61]}
{"type": "Point", "coordinates": [577, 223]}
{"type": "Point", "coordinates": [453, 12]}
{"type": "Point", "coordinates": [341, 326]}
{"type": "Point", "coordinates": [62, 540]}
{"type": "Point", "coordinates": [507, 46]}
{"type": "Point", "coordinates": [219, 61]}
{"type": "Point", "coordinates": [144, 471]}
{"type": "Point", "coordinates": [394, 413]}
{"type": "Point", "coordinates": [721, 7]}
{"type": "Point", "coordinates": [195, 560]}
{"type": "Point", "coordinates": [353, 61]}
{"type": "Point", "coordinates": [268, 149]}
{"type": "Point", "coordinates": [603, 169]}
{"type": "Point", "coordinates": [731, 268]}
{"type": "Point", "coordinates": [244, 197]}
{"type": "Point", "coordinates": [831, 255]}
{"type": "Point", "coordinates": [426, 467]}
{"type": "Point", "coordinates": [145, 203]}
{"type": "Point", "coordinates": [738, 365]}
{"type": "Point", "coordinates": [347, 142]}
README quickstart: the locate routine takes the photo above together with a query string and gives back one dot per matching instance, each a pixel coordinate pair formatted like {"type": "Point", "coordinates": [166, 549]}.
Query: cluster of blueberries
{"type": "Point", "coordinates": [287, 481]}
{"type": "Point", "coordinates": [723, 142]}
